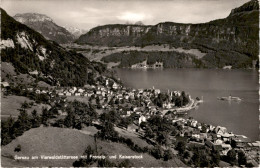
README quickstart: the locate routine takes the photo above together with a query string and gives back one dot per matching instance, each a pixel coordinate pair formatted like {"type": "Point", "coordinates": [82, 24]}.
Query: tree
{"type": "Point", "coordinates": [204, 161]}
{"type": "Point", "coordinates": [18, 148]}
{"type": "Point", "coordinates": [157, 152]}
{"type": "Point", "coordinates": [249, 165]}
{"type": "Point", "coordinates": [163, 138]}
{"type": "Point", "coordinates": [180, 147]}
{"type": "Point", "coordinates": [186, 155]}
{"type": "Point", "coordinates": [149, 132]}
{"type": "Point", "coordinates": [173, 131]}
{"type": "Point", "coordinates": [241, 158]}
{"type": "Point", "coordinates": [125, 163]}
{"type": "Point", "coordinates": [25, 105]}
{"type": "Point", "coordinates": [108, 132]}
{"type": "Point", "coordinates": [69, 121]}
{"type": "Point", "coordinates": [231, 156]}
{"type": "Point", "coordinates": [168, 155]}
{"type": "Point", "coordinates": [204, 128]}
{"type": "Point", "coordinates": [233, 144]}
{"type": "Point", "coordinates": [111, 116]}
{"type": "Point", "coordinates": [196, 158]}
{"type": "Point", "coordinates": [199, 158]}
{"type": "Point", "coordinates": [185, 99]}
{"type": "Point", "coordinates": [45, 116]}
{"type": "Point", "coordinates": [35, 119]}
{"type": "Point", "coordinates": [215, 157]}
{"type": "Point", "coordinates": [124, 122]}
{"type": "Point", "coordinates": [7, 131]}
{"type": "Point", "coordinates": [105, 163]}
{"type": "Point", "coordinates": [22, 124]}
{"type": "Point", "coordinates": [178, 102]}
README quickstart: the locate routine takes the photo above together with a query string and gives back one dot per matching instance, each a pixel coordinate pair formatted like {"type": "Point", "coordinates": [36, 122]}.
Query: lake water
{"type": "Point", "coordinates": [238, 117]}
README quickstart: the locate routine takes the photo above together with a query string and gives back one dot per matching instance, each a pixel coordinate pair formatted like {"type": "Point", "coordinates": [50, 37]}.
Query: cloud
{"type": "Point", "coordinates": [86, 14]}
{"type": "Point", "coordinates": [133, 17]}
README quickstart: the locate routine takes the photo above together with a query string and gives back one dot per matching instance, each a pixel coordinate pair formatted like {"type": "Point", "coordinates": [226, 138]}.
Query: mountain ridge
{"type": "Point", "coordinates": [46, 26]}
{"type": "Point", "coordinates": [221, 39]}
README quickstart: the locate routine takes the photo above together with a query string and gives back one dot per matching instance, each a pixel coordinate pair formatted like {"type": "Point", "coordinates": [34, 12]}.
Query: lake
{"type": "Point", "coordinates": [238, 117]}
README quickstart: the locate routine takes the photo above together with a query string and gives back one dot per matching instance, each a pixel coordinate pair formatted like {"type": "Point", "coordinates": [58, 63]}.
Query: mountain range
{"type": "Point", "coordinates": [46, 26]}
{"type": "Point", "coordinates": [28, 51]}
{"type": "Point", "coordinates": [76, 32]}
{"type": "Point", "coordinates": [233, 40]}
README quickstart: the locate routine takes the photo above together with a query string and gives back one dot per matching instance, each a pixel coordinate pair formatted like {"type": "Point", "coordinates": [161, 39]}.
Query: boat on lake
{"type": "Point", "coordinates": [230, 98]}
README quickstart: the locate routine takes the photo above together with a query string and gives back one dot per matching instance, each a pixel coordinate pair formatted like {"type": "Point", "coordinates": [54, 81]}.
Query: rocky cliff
{"type": "Point", "coordinates": [46, 26]}
{"type": "Point", "coordinates": [114, 35]}
{"type": "Point", "coordinates": [224, 39]}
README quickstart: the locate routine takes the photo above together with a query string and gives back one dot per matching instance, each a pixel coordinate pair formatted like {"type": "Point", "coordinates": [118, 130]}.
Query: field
{"type": "Point", "coordinates": [96, 53]}
{"type": "Point", "coordinates": [47, 141]}
{"type": "Point", "coordinates": [78, 98]}
{"type": "Point", "coordinates": [147, 160]}
{"type": "Point", "coordinates": [51, 141]}
{"type": "Point", "coordinates": [11, 104]}
{"type": "Point", "coordinates": [133, 136]}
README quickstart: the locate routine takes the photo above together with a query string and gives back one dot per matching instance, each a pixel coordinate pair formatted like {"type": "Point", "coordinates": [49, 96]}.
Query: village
{"type": "Point", "coordinates": [141, 105]}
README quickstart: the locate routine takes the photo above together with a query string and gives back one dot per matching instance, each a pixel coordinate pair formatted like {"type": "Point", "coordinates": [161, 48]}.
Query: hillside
{"type": "Point", "coordinates": [28, 51]}
{"type": "Point", "coordinates": [235, 36]}
{"type": "Point", "coordinates": [69, 142]}
{"type": "Point", "coordinates": [46, 26]}
{"type": "Point", "coordinates": [49, 142]}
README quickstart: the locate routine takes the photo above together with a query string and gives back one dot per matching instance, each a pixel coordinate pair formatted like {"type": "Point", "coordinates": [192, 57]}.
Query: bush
{"type": "Point", "coordinates": [157, 152]}
{"type": "Point", "coordinates": [18, 148]}
{"type": "Point", "coordinates": [168, 155]}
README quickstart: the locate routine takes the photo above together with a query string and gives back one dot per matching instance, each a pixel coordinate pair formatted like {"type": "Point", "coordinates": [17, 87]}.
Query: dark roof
{"type": "Point", "coordinates": [209, 143]}
{"type": "Point", "coordinates": [218, 147]}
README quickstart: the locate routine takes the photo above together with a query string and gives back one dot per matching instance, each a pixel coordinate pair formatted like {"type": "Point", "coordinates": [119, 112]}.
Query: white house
{"type": "Point", "coordinates": [157, 91]}
{"type": "Point", "coordinates": [226, 148]}
{"type": "Point", "coordinates": [220, 130]}
{"type": "Point", "coordinates": [61, 94]}
{"type": "Point", "coordinates": [34, 72]}
{"type": "Point", "coordinates": [194, 123]}
{"type": "Point", "coordinates": [218, 142]}
{"type": "Point", "coordinates": [115, 85]}
{"type": "Point", "coordinates": [177, 93]}
{"type": "Point", "coordinates": [77, 94]}
{"type": "Point", "coordinates": [81, 90]}
{"type": "Point", "coordinates": [68, 94]}
{"type": "Point", "coordinates": [103, 94]}
{"type": "Point", "coordinates": [141, 119]}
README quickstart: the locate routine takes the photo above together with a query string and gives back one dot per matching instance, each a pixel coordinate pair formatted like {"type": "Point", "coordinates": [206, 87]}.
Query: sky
{"type": "Point", "coordinates": [86, 14]}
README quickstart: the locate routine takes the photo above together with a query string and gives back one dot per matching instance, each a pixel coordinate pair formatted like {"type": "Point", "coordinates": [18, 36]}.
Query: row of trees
{"type": "Point", "coordinates": [159, 129]}
{"type": "Point", "coordinates": [78, 115]}
{"type": "Point", "coordinates": [237, 158]}
{"type": "Point", "coordinates": [12, 129]}
{"type": "Point", "coordinates": [170, 59]}
{"type": "Point", "coordinates": [179, 101]}
{"type": "Point", "coordinates": [21, 90]}
{"type": "Point", "coordinates": [108, 132]}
